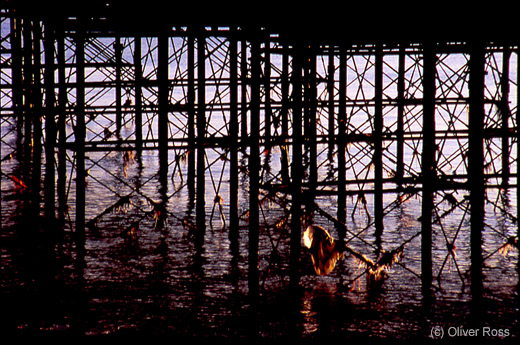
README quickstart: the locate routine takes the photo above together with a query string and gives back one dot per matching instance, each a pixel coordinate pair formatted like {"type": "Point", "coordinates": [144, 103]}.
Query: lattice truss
{"type": "Point", "coordinates": [110, 87]}
{"type": "Point", "coordinates": [451, 211]}
{"type": "Point", "coordinates": [216, 84]}
{"type": "Point", "coordinates": [134, 205]}
{"type": "Point", "coordinates": [402, 113]}
{"type": "Point", "coordinates": [501, 95]}
{"type": "Point", "coordinates": [361, 116]}
{"type": "Point", "coordinates": [8, 126]}
{"type": "Point", "coordinates": [402, 93]}
{"type": "Point", "coordinates": [452, 115]}
{"type": "Point", "coordinates": [101, 78]}
{"type": "Point", "coordinates": [16, 96]}
{"type": "Point", "coordinates": [108, 73]}
{"type": "Point", "coordinates": [6, 81]}
{"type": "Point", "coordinates": [5, 56]}
{"type": "Point", "coordinates": [402, 116]}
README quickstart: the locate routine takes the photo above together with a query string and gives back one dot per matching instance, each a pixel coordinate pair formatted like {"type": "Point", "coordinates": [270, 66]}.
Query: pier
{"type": "Point", "coordinates": [247, 132]}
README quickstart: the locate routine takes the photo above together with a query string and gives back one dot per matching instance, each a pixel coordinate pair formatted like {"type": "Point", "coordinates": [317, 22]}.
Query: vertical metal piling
{"type": "Point", "coordinates": [254, 165]}
{"type": "Point", "coordinates": [163, 53]}
{"type": "Point", "coordinates": [61, 127]}
{"type": "Point", "coordinates": [17, 78]}
{"type": "Point", "coordinates": [378, 146]}
{"type": "Point", "coordinates": [517, 137]}
{"type": "Point", "coordinates": [399, 170]}
{"type": "Point", "coordinates": [117, 55]}
{"type": "Point", "coordinates": [476, 166]}
{"type": "Point", "coordinates": [311, 111]}
{"type": "Point", "coordinates": [163, 84]}
{"type": "Point", "coordinates": [428, 165]}
{"type": "Point", "coordinates": [517, 133]}
{"type": "Point", "coordinates": [284, 115]}
{"type": "Point", "coordinates": [342, 139]}
{"type": "Point", "coordinates": [505, 113]}
{"type": "Point", "coordinates": [50, 126]}
{"type": "Point", "coordinates": [233, 130]}
{"type": "Point", "coordinates": [201, 133]}
{"type": "Point", "coordinates": [79, 135]}
{"type": "Point", "coordinates": [244, 83]}
{"type": "Point", "coordinates": [191, 114]}
{"type": "Point", "coordinates": [254, 176]}
{"type": "Point", "coordinates": [331, 105]}
{"type": "Point", "coordinates": [138, 71]}
{"type": "Point", "coordinates": [36, 104]}
{"type": "Point", "coordinates": [267, 88]}
{"type": "Point", "coordinates": [296, 170]}
{"type": "Point", "coordinates": [27, 87]}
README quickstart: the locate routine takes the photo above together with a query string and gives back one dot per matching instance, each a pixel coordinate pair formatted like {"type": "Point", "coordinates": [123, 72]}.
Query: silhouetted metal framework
{"type": "Point", "coordinates": [373, 123]}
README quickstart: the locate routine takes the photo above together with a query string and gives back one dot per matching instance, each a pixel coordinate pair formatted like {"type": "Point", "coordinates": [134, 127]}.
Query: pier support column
{"type": "Point", "coordinates": [37, 115]}
{"type": "Point", "coordinates": [518, 144]}
{"type": "Point", "coordinates": [62, 128]}
{"type": "Point", "coordinates": [254, 176]}
{"type": "Point", "coordinates": [342, 140]}
{"type": "Point", "coordinates": [233, 133]}
{"type": "Point", "coordinates": [517, 134]}
{"type": "Point", "coordinates": [399, 171]}
{"type": "Point", "coordinates": [254, 166]}
{"type": "Point", "coordinates": [163, 85]}
{"type": "Point", "coordinates": [267, 87]}
{"type": "Point", "coordinates": [17, 77]}
{"type": "Point", "coordinates": [476, 167]}
{"type": "Point", "coordinates": [50, 128]}
{"type": "Point", "coordinates": [201, 133]}
{"type": "Point", "coordinates": [284, 114]}
{"type": "Point", "coordinates": [310, 107]}
{"type": "Point", "coordinates": [119, 114]}
{"type": "Point", "coordinates": [296, 167]}
{"type": "Point", "coordinates": [244, 81]}
{"type": "Point", "coordinates": [506, 113]}
{"type": "Point", "coordinates": [428, 165]}
{"type": "Point", "coordinates": [331, 106]}
{"type": "Point", "coordinates": [378, 147]}
{"type": "Point", "coordinates": [138, 71]}
{"type": "Point", "coordinates": [192, 145]}
{"type": "Point", "coordinates": [79, 135]}
{"type": "Point", "coordinates": [28, 95]}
